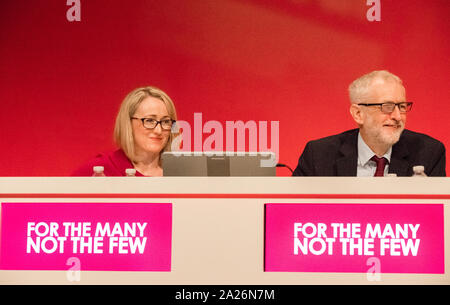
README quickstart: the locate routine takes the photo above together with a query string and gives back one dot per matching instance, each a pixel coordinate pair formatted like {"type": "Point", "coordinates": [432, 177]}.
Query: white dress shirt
{"type": "Point", "coordinates": [367, 167]}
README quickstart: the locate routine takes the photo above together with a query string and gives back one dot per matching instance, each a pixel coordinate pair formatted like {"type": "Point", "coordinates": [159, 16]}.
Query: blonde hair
{"type": "Point", "coordinates": [359, 89]}
{"type": "Point", "coordinates": [123, 132]}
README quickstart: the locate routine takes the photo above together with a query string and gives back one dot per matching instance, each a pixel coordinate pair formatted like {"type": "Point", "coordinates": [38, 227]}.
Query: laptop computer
{"type": "Point", "coordinates": [219, 163]}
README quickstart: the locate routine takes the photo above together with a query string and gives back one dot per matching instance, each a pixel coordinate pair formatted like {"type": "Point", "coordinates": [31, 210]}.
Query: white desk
{"type": "Point", "coordinates": [218, 223]}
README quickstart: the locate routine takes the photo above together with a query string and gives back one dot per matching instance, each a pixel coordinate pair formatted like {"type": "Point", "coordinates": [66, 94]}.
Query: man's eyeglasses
{"type": "Point", "coordinates": [149, 123]}
{"type": "Point", "coordinates": [389, 107]}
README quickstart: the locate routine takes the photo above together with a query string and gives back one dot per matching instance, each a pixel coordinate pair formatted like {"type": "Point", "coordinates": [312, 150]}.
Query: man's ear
{"type": "Point", "coordinates": [357, 114]}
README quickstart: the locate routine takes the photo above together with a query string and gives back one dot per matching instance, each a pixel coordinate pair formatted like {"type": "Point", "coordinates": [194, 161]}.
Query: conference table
{"type": "Point", "coordinates": [226, 230]}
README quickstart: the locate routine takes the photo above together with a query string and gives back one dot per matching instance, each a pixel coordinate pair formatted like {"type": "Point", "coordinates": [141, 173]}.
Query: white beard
{"type": "Point", "coordinates": [386, 137]}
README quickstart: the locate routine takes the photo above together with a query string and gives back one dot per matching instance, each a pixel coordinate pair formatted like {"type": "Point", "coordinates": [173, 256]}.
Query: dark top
{"type": "Point", "coordinates": [337, 155]}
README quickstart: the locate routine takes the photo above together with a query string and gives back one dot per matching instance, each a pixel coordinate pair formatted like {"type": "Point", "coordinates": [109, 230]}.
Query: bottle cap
{"type": "Point", "coordinates": [130, 171]}
{"type": "Point", "coordinates": [98, 169]}
{"type": "Point", "coordinates": [418, 169]}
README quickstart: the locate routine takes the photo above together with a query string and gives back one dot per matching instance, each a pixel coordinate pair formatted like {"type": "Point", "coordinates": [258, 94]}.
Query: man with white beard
{"type": "Point", "coordinates": [381, 144]}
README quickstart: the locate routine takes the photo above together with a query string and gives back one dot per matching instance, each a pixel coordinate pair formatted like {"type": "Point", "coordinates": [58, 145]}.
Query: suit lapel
{"type": "Point", "coordinates": [399, 163]}
{"type": "Point", "coordinates": [347, 163]}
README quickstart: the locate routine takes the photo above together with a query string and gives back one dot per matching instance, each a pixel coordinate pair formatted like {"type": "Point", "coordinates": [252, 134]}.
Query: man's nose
{"type": "Point", "coordinates": [396, 114]}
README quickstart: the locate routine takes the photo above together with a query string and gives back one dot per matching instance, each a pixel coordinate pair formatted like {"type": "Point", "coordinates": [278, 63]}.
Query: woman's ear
{"type": "Point", "coordinates": [357, 114]}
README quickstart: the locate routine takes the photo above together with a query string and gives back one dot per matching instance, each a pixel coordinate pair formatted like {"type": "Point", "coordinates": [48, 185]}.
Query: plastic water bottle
{"type": "Point", "coordinates": [98, 171]}
{"type": "Point", "coordinates": [130, 172]}
{"type": "Point", "coordinates": [419, 171]}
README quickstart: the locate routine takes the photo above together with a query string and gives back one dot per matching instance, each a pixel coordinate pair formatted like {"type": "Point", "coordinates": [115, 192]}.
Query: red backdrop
{"type": "Point", "coordinates": [288, 61]}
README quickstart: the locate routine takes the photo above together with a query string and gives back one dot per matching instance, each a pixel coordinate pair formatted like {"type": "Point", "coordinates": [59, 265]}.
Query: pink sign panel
{"type": "Point", "coordinates": [394, 238]}
{"type": "Point", "coordinates": [94, 236]}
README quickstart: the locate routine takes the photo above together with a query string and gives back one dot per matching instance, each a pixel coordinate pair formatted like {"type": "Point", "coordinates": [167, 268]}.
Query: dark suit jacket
{"type": "Point", "coordinates": [338, 155]}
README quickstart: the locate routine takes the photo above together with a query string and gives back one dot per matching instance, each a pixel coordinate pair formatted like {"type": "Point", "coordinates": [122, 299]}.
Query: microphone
{"type": "Point", "coordinates": [284, 165]}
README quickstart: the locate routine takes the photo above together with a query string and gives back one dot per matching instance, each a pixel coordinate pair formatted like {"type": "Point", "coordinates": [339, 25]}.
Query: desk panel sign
{"type": "Point", "coordinates": [94, 236]}
{"type": "Point", "coordinates": [393, 238]}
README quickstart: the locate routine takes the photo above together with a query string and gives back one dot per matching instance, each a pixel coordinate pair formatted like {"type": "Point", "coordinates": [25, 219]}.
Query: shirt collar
{"type": "Point", "coordinates": [365, 153]}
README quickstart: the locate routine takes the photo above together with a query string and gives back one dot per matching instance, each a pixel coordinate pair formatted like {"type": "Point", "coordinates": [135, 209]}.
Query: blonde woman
{"type": "Point", "coordinates": [143, 131]}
